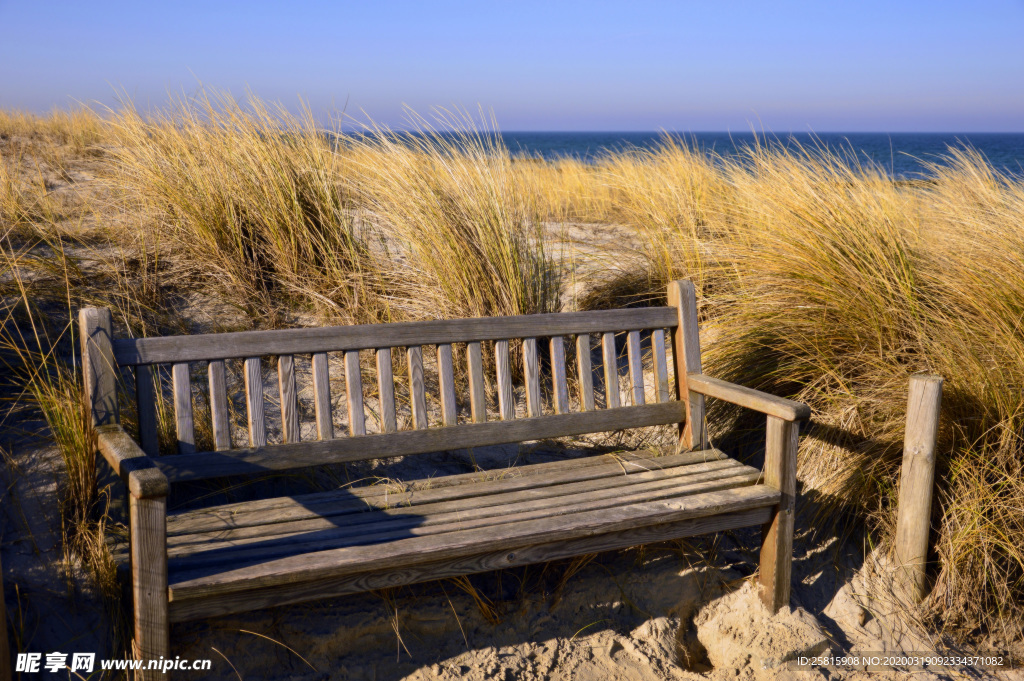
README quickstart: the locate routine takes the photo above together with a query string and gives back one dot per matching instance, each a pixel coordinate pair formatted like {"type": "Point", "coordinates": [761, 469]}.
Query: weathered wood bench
{"type": "Point", "coordinates": [257, 554]}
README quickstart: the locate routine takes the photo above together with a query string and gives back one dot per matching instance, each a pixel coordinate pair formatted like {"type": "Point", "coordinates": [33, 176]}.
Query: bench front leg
{"type": "Point", "coordinates": [777, 533]}
{"type": "Point", "coordinates": [148, 517]}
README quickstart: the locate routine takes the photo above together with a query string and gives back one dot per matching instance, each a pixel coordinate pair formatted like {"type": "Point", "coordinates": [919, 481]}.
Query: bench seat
{"type": "Point", "coordinates": [272, 551]}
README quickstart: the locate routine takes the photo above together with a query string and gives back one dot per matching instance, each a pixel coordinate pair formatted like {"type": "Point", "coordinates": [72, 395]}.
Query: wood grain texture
{"type": "Point", "coordinates": [254, 402]}
{"type": "Point", "coordinates": [636, 367]}
{"type": "Point", "coordinates": [183, 425]}
{"type": "Point", "coordinates": [145, 400]}
{"type": "Point", "coordinates": [446, 384]}
{"type": "Point", "coordinates": [417, 389]}
{"type": "Point", "coordinates": [354, 393]}
{"type": "Point", "coordinates": [506, 397]}
{"type": "Point", "coordinates": [559, 383]}
{"type": "Point", "coordinates": [477, 386]}
{"type": "Point", "coordinates": [610, 360]}
{"type": "Point", "coordinates": [370, 336]}
{"type": "Point", "coordinates": [386, 391]}
{"type": "Point", "coordinates": [289, 398]}
{"type": "Point", "coordinates": [686, 350]}
{"type": "Point", "coordinates": [917, 479]}
{"type": "Point", "coordinates": [183, 609]}
{"type": "Point", "coordinates": [768, 404]}
{"type": "Point", "coordinates": [96, 332]}
{"type": "Point", "coordinates": [777, 534]}
{"type": "Point", "coordinates": [531, 372]}
{"type": "Point", "coordinates": [586, 372]}
{"type": "Point", "coordinates": [322, 396]}
{"type": "Point", "coordinates": [661, 385]}
{"type": "Point", "coordinates": [217, 377]}
{"type": "Point", "coordinates": [300, 455]}
{"type": "Point", "coordinates": [127, 459]}
{"type": "Point", "coordinates": [149, 578]}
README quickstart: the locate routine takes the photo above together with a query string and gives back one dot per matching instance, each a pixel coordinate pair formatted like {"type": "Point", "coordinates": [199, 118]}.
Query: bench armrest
{"type": "Point", "coordinates": [787, 410]}
{"type": "Point", "coordinates": [144, 479]}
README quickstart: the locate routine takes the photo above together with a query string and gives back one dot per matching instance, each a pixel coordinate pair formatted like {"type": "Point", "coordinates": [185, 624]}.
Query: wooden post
{"type": "Point", "coordinates": [96, 332]}
{"type": "Point", "coordinates": [916, 480]}
{"type": "Point", "coordinates": [149, 580]}
{"type": "Point", "coordinates": [686, 351]}
{"type": "Point", "coordinates": [777, 534]}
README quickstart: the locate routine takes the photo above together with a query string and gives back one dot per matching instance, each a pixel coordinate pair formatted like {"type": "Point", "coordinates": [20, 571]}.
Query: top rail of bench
{"type": "Point", "coordinates": [214, 346]}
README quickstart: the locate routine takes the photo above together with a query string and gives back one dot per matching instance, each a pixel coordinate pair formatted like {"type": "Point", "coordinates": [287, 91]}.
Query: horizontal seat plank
{"type": "Point", "coordinates": [133, 351]}
{"type": "Point", "coordinates": [206, 465]}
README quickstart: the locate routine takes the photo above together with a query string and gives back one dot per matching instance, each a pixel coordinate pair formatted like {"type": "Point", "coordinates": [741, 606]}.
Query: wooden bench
{"type": "Point", "coordinates": [256, 554]}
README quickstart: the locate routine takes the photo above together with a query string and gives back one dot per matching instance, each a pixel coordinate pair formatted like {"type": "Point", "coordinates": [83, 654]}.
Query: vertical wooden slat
{"type": "Point", "coordinates": [354, 389]}
{"type": "Point", "coordinates": [560, 386]}
{"type": "Point", "coordinates": [636, 367]}
{"type": "Point", "coordinates": [777, 533]}
{"type": "Point", "coordinates": [322, 396]}
{"type": "Point", "coordinates": [145, 400]}
{"type": "Point", "coordinates": [611, 371]}
{"type": "Point", "coordinates": [586, 371]}
{"type": "Point", "coordinates": [254, 402]}
{"type": "Point", "coordinates": [386, 390]}
{"type": "Point", "coordinates": [417, 391]}
{"type": "Point", "coordinates": [217, 375]}
{"type": "Point", "coordinates": [477, 391]}
{"type": "Point", "coordinates": [531, 367]}
{"type": "Point", "coordinates": [686, 349]}
{"type": "Point", "coordinates": [660, 365]}
{"type": "Point", "coordinates": [148, 547]}
{"type": "Point", "coordinates": [506, 398]}
{"type": "Point", "coordinates": [446, 383]}
{"type": "Point", "coordinates": [916, 481]}
{"type": "Point", "coordinates": [182, 386]}
{"type": "Point", "coordinates": [289, 400]}
{"type": "Point", "coordinates": [100, 373]}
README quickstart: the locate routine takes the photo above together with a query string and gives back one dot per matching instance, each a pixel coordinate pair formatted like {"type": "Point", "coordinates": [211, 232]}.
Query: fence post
{"type": "Point", "coordinates": [916, 482]}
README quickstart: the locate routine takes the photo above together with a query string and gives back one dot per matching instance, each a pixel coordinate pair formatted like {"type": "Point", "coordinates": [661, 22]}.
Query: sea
{"type": "Point", "coordinates": [903, 155]}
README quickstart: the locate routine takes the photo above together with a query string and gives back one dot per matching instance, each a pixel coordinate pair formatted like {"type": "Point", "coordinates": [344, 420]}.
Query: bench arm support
{"type": "Point", "coordinates": [770, 405]}
{"type": "Point", "coordinates": [144, 479]}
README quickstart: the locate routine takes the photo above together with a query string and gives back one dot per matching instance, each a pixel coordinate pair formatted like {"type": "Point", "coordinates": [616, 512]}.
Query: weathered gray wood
{"type": "Point", "coordinates": [392, 554]}
{"type": "Point", "coordinates": [417, 390]}
{"type": "Point", "coordinates": [99, 371]}
{"type": "Point", "coordinates": [506, 398]}
{"type": "Point", "coordinates": [586, 372]}
{"type": "Point", "coordinates": [477, 389]}
{"type": "Point", "coordinates": [354, 393]}
{"type": "Point", "coordinates": [777, 534]}
{"type": "Point", "coordinates": [145, 400]}
{"type": "Point", "coordinates": [636, 367]}
{"type": "Point", "coordinates": [144, 479]}
{"type": "Point", "coordinates": [183, 609]}
{"type": "Point", "coordinates": [217, 376]}
{"type": "Point", "coordinates": [661, 385]}
{"type": "Point", "coordinates": [446, 384]}
{"type": "Point", "coordinates": [560, 385]}
{"type": "Point", "coordinates": [304, 454]}
{"type": "Point", "coordinates": [370, 336]}
{"type": "Point", "coordinates": [289, 398]}
{"type": "Point", "coordinates": [686, 349]}
{"type": "Point", "coordinates": [531, 371]}
{"type": "Point", "coordinates": [322, 395]}
{"type": "Point", "coordinates": [149, 578]}
{"type": "Point", "coordinates": [768, 404]}
{"type": "Point", "coordinates": [917, 479]}
{"type": "Point", "coordinates": [386, 391]}
{"type": "Point", "coordinates": [254, 402]}
{"type": "Point", "coordinates": [183, 425]}
{"type": "Point", "coordinates": [610, 359]}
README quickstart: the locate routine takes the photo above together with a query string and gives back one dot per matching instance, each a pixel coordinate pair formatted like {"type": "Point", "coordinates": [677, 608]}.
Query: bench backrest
{"type": "Point", "coordinates": [105, 357]}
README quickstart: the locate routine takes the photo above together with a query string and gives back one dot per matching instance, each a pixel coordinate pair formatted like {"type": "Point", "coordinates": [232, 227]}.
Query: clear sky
{"type": "Point", "coordinates": [821, 65]}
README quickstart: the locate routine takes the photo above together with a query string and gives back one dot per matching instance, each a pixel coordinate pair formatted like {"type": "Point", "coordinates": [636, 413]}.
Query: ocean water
{"type": "Point", "coordinates": [903, 155]}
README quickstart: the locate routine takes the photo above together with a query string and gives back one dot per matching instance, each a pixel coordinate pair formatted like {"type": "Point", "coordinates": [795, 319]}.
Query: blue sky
{"type": "Point", "coordinates": [688, 66]}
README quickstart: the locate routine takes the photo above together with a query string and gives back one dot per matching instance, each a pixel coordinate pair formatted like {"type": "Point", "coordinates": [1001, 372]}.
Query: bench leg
{"type": "Point", "coordinates": [149, 580]}
{"type": "Point", "coordinates": [777, 533]}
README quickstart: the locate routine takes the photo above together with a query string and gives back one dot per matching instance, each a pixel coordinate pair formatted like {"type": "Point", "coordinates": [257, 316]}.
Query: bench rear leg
{"type": "Point", "coordinates": [149, 580]}
{"type": "Point", "coordinates": [777, 533]}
